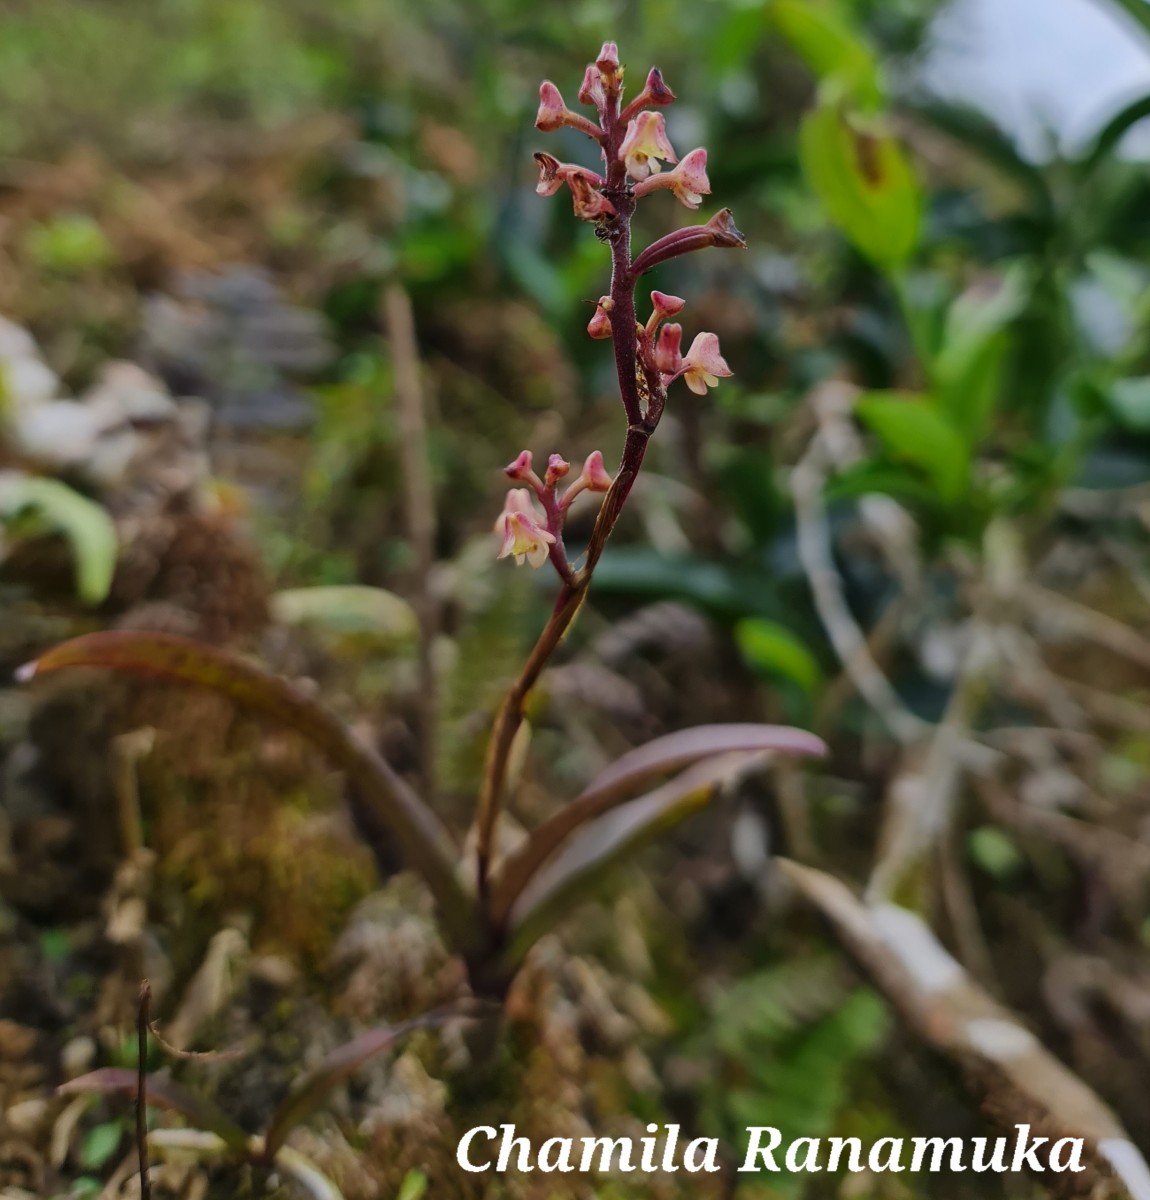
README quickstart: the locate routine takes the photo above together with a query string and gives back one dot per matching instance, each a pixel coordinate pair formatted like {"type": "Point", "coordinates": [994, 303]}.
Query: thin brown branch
{"type": "Point", "coordinates": [142, 1023]}
{"type": "Point", "coordinates": [1016, 1077]}
{"type": "Point", "coordinates": [814, 543]}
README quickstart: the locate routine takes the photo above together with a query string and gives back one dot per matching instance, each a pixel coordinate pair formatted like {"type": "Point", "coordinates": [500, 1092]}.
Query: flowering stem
{"type": "Point", "coordinates": [641, 422]}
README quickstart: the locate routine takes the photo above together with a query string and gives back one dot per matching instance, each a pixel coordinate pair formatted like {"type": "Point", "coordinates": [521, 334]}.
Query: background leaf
{"type": "Point", "coordinates": [913, 429]}
{"type": "Point", "coordinates": [86, 525]}
{"type": "Point", "coordinates": [864, 181]}
{"type": "Point", "coordinates": [421, 835]}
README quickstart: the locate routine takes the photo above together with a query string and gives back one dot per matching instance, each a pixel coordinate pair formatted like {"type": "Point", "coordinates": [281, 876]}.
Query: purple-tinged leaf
{"type": "Point", "coordinates": [313, 1087]}
{"type": "Point", "coordinates": [421, 836]}
{"type": "Point", "coordinates": [628, 776]}
{"type": "Point", "coordinates": [162, 1093]}
{"type": "Point", "coordinates": [587, 857]}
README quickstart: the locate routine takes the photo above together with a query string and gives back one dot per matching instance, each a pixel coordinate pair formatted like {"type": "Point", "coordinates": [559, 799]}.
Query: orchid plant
{"type": "Point", "coordinates": [492, 909]}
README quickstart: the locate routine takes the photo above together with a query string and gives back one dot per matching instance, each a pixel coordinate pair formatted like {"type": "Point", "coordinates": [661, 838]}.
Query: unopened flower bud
{"type": "Point", "coordinates": [552, 110]}
{"type": "Point", "coordinates": [600, 324]}
{"type": "Point", "coordinates": [608, 60]}
{"type": "Point", "coordinates": [719, 231]}
{"type": "Point", "coordinates": [554, 114]}
{"type": "Point", "coordinates": [662, 307]}
{"type": "Point", "coordinates": [668, 358]}
{"type": "Point", "coordinates": [557, 468]}
{"type": "Point", "coordinates": [655, 94]}
{"type": "Point", "coordinates": [520, 469]}
{"type": "Point", "coordinates": [593, 478]}
{"type": "Point", "coordinates": [656, 91]}
{"type": "Point", "coordinates": [594, 474]}
{"type": "Point", "coordinates": [667, 306]}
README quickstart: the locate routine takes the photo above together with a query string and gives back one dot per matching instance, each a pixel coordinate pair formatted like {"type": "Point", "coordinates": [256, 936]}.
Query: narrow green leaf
{"type": "Point", "coordinates": [968, 367]}
{"type": "Point", "coordinates": [86, 525]}
{"type": "Point", "coordinates": [100, 1143]}
{"type": "Point", "coordinates": [1138, 11]}
{"type": "Point", "coordinates": [1113, 132]}
{"type": "Point", "coordinates": [913, 428]}
{"type": "Point", "coordinates": [770, 647]}
{"type": "Point", "coordinates": [628, 776]}
{"type": "Point", "coordinates": [1130, 402]}
{"type": "Point", "coordinates": [359, 613]}
{"type": "Point", "coordinates": [864, 181]}
{"type": "Point", "coordinates": [163, 1093]}
{"type": "Point", "coordinates": [413, 1186]}
{"type": "Point", "coordinates": [421, 836]}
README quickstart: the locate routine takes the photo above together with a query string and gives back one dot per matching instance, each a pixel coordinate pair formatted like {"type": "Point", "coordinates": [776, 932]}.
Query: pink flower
{"type": "Point", "coordinates": [553, 174]}
{"type": "Point", "coordinates": [591, 89]}
{"type": "Point", "coordinates": [704, 364]}
{"type": "Point", "coordinates": [600, 324]}
{"type": "Point", "coordinates": [668, 357]}
{"type": "Point", "coordinates": [608, 60]}
{"type": "Point", "coordinates": [662, 307]}
{"type": "Point", "coordinates": [554, 114]}
{"type": "Point", "coordinates": [688, 180]}
{"type": "Point", "coordinates": [645, 143]}
{"type": "Point", "coordinates": [522, 530]}
{"type": "Point", "coordinates": [589, 203]}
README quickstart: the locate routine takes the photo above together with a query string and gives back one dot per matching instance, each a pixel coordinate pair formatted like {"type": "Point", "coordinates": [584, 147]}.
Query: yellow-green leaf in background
{"type": "Point", "coordinates": [914, 429]}
{"type": "Point", "coordinates": [85, 524]}
{"type": "Point", "coordinates": [365, 616]}
{"type": "Point", "coordinates": [968, 368]}
{"type": "Point", "coordinates": [772, 648]}
{"type": "Point", "coordinates": [827, 44]}
{"type": "Point", "coordinates": [864, 181]}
